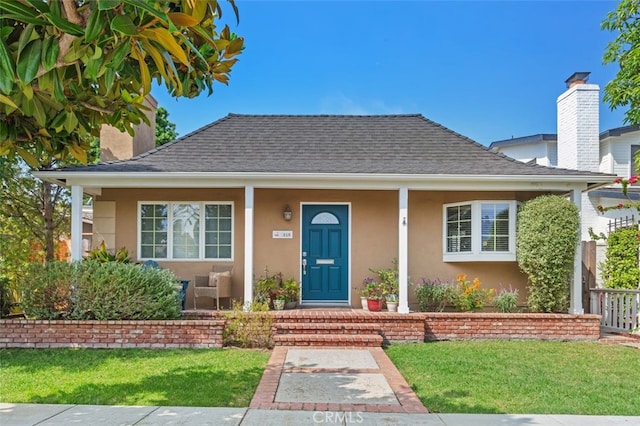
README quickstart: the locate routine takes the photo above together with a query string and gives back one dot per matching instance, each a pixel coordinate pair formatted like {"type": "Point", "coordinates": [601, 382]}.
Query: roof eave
{"type": "Point", "coordinates": [325, 180]}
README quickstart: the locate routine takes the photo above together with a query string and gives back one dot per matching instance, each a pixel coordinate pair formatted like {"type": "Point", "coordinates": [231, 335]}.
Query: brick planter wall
{"type": "Point", "coordinates": [111, 334]}
{"type": "Point", "coordinates": [462, 326]}
{"type": "Point", "coordinates": [204, 329]}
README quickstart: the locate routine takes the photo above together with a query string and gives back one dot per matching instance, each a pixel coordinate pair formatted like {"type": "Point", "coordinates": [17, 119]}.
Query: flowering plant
{"type": "Point", "coordinates": [469, 295]}
{"type": "Point", "coordinates": [372, 290]}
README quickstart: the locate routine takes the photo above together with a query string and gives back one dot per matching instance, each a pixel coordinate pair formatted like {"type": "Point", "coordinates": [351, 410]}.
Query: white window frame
{"type": "Point", "coordinates": [201, 243]}
{"type": "Point", "coordinates": [476, 254]}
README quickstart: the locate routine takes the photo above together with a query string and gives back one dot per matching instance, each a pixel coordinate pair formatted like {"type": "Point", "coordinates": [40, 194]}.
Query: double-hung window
{"type": "Point", "coordinates": [479, 231]}
{"type": "Point", "coordinates": [185, 230]}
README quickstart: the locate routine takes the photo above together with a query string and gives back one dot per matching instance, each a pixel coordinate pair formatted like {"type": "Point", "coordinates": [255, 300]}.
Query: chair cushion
{"type": "Point", "coordinates": [213, 277]}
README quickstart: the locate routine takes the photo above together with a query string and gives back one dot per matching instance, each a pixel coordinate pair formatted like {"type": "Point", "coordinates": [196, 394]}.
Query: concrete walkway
{"type": "Point", "coordinates": [301, 386]}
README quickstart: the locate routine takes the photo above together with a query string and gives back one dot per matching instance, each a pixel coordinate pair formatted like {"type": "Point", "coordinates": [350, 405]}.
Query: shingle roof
{"type": "Point", "coordinates": [385, 144]}
{"type": "Point", "coordinates": [540, 137]}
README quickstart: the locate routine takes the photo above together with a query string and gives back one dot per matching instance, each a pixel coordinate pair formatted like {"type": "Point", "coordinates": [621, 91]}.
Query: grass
{"type": "Point", "coordinates": [516, 377]}
{"type": "Point", "coordinates": [186, 377]}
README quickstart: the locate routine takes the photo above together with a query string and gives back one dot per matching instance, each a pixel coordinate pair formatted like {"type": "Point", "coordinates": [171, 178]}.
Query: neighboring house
{"type": "Point", "coordinates": [580, 145]}
{"type": "Point", "coordinates": [321, 198]}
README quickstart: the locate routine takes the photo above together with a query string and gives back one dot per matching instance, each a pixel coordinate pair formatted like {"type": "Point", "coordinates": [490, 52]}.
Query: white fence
{"type": "Point", "coordinates": [620, 309]}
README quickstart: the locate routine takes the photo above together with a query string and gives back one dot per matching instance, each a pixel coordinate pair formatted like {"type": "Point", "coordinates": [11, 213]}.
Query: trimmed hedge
{"type": "Point", "coordinates": [546, 243]}
{"type": "Point", "coordinates": [102, 291]}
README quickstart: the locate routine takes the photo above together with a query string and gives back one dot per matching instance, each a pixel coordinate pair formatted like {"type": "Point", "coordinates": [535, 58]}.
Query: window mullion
{"type": "Point", "coordinates": [170, 231]}
{"type": "Point", "coordinates": [476, 228]}
{"type": "Point", "coordinates": [201, 242]}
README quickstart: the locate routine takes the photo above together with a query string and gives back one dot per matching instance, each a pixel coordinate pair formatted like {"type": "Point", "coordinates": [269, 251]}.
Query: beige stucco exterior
{"type": "Point", "coordinates": [373, 233]}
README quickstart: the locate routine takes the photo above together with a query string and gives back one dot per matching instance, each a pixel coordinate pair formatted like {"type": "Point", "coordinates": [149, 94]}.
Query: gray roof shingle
{"type": "Point", "coordinates": [384, 144]}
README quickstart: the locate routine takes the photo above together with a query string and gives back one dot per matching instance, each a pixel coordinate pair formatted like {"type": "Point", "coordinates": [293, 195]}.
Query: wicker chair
{"type": "Point", "coordinates": [216, 285]}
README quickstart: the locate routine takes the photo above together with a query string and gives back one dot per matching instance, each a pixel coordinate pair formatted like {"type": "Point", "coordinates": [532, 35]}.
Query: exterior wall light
{"type": "Point", "coordinates": [287, 213]}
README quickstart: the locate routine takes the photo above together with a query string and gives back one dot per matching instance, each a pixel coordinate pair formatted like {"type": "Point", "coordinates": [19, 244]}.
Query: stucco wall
{"type": "Point", "coordinates": [374, 233]}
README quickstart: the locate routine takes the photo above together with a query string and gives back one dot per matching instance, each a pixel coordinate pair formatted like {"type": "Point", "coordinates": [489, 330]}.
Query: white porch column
{"type": "Point", "coordinates": [403, 250]}
{"type": "Point", "coordinates": [76, 222]}
{"type": "Point", "coordinates": [575, 306]}
{"type": "Point", "coordinates": [248, 244]}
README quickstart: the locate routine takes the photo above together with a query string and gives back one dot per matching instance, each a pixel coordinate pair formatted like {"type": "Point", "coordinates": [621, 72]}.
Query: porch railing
{"type": "Point", "coordinates": [620, 309]}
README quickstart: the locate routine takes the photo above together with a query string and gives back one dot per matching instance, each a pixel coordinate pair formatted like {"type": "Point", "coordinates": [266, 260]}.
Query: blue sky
{"type": "Point", "coordinates": [489, 70]}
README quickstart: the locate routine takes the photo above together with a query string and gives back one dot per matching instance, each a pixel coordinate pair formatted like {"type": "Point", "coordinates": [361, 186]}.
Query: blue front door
{"type": "Point", "coordinates": [325, 253]}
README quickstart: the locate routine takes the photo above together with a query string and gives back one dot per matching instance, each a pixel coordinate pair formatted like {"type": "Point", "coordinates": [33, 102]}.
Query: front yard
{"type": "Point", "coordinates": [185, 377]}
{"type": "Point", "coordinates": [528, 377]}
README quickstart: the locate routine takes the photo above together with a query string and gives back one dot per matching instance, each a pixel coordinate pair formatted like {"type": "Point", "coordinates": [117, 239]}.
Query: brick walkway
{"type": "Point", "coordinates": [265, 396]}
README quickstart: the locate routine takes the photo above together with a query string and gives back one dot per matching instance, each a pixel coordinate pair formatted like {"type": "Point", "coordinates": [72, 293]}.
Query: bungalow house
{"type": "Point", "coordinates": [321, 198]}
{"type": "Point", "coordinates": [579, 144]}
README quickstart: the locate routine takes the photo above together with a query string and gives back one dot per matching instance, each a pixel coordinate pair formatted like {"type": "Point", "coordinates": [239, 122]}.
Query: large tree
{"type": "Point", "coordinates": [69, 66]}
{"type": "Point", "coordinates": [624, 89]}
{"type": "Point", "coordinates": [165, 129]}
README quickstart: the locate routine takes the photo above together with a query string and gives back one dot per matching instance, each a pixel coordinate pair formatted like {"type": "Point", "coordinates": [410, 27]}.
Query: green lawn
{"type": "Point", "coordinates": [518, 377]}
{"type": "Point", "coordinates": [189, 377]}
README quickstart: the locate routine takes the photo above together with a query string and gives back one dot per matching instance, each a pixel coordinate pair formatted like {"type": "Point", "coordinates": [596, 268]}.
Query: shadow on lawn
{"type": "Point", "coordinates": [36, 360]}
{"type": "Point", "coordinates": [450, 402]}
{"type": "Point", "coordinates": [183, 386]}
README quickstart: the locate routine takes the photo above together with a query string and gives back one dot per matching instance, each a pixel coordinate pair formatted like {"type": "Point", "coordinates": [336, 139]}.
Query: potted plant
{"type": "Point", "coordinates": [266, 286]}
{"type": "Point", "coordinates": [392, 302]}
{"type": "Point", "coordinates": [291, 293]}
{"type": "Point", "coordinates": [279, 299]}
{"type": "Point", "coordinates": [374, 293]}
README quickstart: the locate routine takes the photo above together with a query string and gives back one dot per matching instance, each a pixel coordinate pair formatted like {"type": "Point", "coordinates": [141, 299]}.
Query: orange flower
{"type": "Point", "coordinates": [461, 277]}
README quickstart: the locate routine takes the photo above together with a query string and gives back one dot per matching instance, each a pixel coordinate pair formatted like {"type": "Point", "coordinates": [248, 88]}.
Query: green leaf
{"type": "Point", "coordinates": [25, 38]}
{"type": "Point", "coordinates": [71, 122]}
{"type": "Point", "coordinates": [29, 61]}
{"type": "Point", "coordinates": [140, 4]}
{"type": "Point", "coordinates": [7, 101]}
{"type": "Point", "coordinates": [108, 4]}
{"type": "Point", "coordinates": [50, 51]}
{"type": "Point", "coordinates": [6, 69]}
{"type": "Point", "coordinates": [38, 113]}
{"type": "Point", "coordinates": [25, 19]}
{"type": "Point", "coordinates": [124, 24]}
{"type": "Point", "coordinates": [59, 120]}
{"type": "Point", "coordinates": [64, 25]}
{"type": "Point", "coordinates": [118, 54]}
{"type": "Point", "coordinates": [16, 8]}
{"type": "Point", "coordinates": [41, 6]}
{"type": "Point", "coordinates": [94, 25]}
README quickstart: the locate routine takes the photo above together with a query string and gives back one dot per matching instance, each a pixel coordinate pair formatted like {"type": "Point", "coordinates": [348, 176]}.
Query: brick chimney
{"type": "Point", "coordinates": [578, 124]}
{"type": "Point", "coordinates": [117, 145]}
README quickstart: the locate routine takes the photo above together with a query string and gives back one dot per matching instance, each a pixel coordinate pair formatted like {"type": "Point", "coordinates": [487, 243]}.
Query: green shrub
{"type": "Point", "coordinates": [620, 269]}
{"type": "Point", "coordinates": [121, 291]}
{"type": "Point", "coordinates": [248, 327]}
{"type": "Point", "coordinates": [434, 295]}
{"type": "Point", "coordinates": [546, 242]}
{"type": "Point", "coordinates": [104, 291]}
{"type": "Point", "coordinates": [46, 290]}
{"type": "Point", "coordinates": [506, 301]}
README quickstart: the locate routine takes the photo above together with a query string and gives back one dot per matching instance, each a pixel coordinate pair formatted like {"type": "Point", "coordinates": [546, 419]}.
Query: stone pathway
{"type": "Point", "coordinates": [331, 379]}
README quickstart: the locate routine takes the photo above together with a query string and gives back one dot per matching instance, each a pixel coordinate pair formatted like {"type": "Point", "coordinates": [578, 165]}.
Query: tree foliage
{"type": "Point", "coordinates": [624, 89]}
{"type": "Point", "coordinates": [546, 243]}
{"type": "Point", "coordinates": [165, 129]}
{"type": "Point", "coordinates": [69, 66]}
{"type": "Point", "coordinates": [620, 268]}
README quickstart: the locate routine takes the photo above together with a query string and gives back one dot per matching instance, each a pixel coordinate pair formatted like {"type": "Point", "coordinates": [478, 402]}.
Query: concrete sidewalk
{"type": "Point", "coordinates": [98, 415]}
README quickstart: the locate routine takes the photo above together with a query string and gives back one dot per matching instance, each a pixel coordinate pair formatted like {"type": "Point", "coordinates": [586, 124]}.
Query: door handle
{"type": "Point", "coordinates": [304, 266]}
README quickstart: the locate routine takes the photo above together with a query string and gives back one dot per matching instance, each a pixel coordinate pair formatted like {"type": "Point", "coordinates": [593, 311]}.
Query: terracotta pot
{"type": "Point", "coordinates": [374, 305]}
